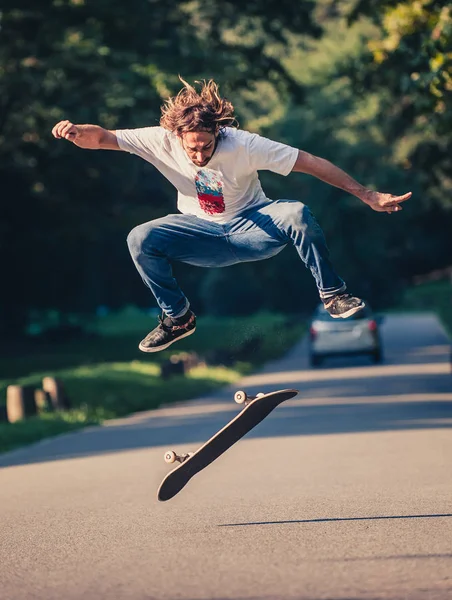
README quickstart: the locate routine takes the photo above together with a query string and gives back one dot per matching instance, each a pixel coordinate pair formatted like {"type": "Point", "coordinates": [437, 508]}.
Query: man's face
{"type": "Point", "coordinates": [199, 146]}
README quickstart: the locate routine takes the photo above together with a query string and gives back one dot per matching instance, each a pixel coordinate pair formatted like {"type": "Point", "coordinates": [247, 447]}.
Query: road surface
{"type": "Point", "coordinates": [344, 492]}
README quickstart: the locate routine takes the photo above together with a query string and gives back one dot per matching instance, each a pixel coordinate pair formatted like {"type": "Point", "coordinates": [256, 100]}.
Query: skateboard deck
{"type": "Point", "coordinates": [255, 411]}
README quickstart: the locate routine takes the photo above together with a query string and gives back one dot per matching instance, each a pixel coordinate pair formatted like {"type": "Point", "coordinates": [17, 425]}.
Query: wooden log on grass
{"type": "Point", "coordinates": [55, 389]}
{"type": "Point", "coordinates": [43, 401]}
{"type": "Point", "coordinates": [20, 402]}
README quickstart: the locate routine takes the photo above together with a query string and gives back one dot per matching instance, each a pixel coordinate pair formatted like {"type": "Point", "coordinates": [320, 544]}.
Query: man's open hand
{"type": "Point", "coordinates": [384, 202]}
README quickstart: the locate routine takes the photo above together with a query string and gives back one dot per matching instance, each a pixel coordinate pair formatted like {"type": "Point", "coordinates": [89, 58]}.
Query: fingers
{"type": "Point", "coordinates": [391, 209]}
{"type": "Point", "coordinates": [402, 198]}
{"type": "Point", "coordinates": [64, 129]}
{"type": "Point", "coordinates": [392, 203]}
{"type": "Point", "coordinates": [387, 202]}
{"type": "Point", "coordinates": [394, 200]}
{"type": "Point", "coordinates": [56, 131]}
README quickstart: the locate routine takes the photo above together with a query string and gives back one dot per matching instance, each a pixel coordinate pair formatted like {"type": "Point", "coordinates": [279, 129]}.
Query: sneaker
{"type": "Point", "coordinates": [168, 331]}
{"type": "Point", "coordinates": [342, 305]}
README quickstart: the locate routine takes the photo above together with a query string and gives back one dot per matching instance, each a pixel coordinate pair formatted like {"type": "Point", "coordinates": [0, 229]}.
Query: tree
{"type": "Point", "coordinates": [410, 63]}
{"type": "Point", "coordinates": [110, 63]}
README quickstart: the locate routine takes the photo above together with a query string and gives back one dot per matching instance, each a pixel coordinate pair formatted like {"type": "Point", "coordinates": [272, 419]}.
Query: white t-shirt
{"type": "Point", "coordinates": [228, 184]}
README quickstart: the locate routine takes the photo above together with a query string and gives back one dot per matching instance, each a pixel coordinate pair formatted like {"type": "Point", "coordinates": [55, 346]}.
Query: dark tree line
{"type": "Point", "coordinates": [65, 213]}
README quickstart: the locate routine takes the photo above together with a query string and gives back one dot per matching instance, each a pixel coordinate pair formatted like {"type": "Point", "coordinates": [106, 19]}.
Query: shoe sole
{"type": "Point", "coordinates": [350, 312]}
{"type": "Point", "coordinates": [165, 346]}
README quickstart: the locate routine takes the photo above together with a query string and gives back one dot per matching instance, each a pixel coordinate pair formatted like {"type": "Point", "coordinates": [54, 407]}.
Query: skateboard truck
{"type": "Point", "coordinates": [172, 457]}
{"type": "Point", "coordinates": [242, 397]}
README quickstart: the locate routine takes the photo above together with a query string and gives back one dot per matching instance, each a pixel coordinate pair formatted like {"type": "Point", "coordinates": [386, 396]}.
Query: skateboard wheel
{"type": "Point", "coordinates": [240, 397]}
{"type": "Point", "coordinates": [260, 394]}
{"type": "Point", "coordinates": [170, 456]}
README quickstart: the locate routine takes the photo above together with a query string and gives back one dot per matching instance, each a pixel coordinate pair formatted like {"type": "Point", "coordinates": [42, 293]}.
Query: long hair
{"type": "Point", "coordinates": [205, 110]}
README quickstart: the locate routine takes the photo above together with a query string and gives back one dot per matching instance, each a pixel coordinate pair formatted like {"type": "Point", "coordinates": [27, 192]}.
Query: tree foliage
{"type": "Point", "coordinates": [372, 96]}
{"type": "Point", "coordinates": [360, 124]}
{"type": "Point", "coordinates": [410, 64]}
{"type": "Point", "coordinates": [65, 212]}
{"type": "Point", "coordinates": [418, 35]}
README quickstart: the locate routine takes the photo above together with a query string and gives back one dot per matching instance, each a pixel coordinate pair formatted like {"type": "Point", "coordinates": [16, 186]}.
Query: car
{"type": "Point", "coordinates": [358, 334]}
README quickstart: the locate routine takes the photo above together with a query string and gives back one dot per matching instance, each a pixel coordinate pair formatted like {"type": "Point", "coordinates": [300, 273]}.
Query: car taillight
{"type": "Point", "coordinates": [313, 333]}
{"type": "Point", "coordinates": [372, 325]}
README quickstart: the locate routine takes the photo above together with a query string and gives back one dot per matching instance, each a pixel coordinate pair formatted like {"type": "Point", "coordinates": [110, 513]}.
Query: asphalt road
{"type": "Point", "coordinates": [344, 492]}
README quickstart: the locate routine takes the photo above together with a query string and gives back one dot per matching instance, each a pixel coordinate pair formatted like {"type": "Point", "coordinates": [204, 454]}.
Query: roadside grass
{"type": "Point", "coordinates": [105, 391]}
{"type": "Point", "coordinates": [105, 375]}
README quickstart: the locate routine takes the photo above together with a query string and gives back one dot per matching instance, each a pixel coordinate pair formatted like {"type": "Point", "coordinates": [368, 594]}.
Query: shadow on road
{"type": "Point", "coordinates": [339, 520]}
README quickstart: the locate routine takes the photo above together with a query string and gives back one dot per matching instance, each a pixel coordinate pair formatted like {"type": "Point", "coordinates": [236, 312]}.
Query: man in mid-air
{"type": "Point", "coordinates": [225, 217]}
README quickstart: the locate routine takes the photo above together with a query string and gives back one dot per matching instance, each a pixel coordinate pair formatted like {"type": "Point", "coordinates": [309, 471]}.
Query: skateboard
{"type": "Point", "coordinates": [255, 410]}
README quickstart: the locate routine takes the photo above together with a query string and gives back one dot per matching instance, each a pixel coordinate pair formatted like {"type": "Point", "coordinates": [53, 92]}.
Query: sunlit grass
{"type": "Point", "coordinates": [103, 392]}
{"type": "Point", "coordinates": [107, 377]}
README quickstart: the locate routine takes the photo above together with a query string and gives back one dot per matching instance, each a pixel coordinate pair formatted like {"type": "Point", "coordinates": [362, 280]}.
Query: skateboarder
{"type": "Point", "coordinates": [225, 217]}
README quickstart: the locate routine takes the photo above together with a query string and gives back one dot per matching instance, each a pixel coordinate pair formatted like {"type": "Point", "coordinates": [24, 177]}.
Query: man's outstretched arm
{"type": "Point", "coordinates": [326, 171]}
{"type": "Point", "coordinates": [90, 137]}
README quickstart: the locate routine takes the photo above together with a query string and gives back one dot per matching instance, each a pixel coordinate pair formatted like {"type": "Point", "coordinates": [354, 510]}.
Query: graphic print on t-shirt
{"type": "Point", "coordinates": [209, 188]}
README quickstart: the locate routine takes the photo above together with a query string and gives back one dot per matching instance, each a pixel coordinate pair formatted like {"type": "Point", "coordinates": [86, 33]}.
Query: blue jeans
{"type": "Point", "coordinates": [256, 234]}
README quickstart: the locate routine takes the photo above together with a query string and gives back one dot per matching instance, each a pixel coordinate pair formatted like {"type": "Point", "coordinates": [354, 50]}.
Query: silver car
{"type": "Point", "coordinates": [358, 334]}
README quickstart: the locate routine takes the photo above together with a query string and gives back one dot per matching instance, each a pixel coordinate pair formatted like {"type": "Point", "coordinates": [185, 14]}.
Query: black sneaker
{"type": "Point", "coordinates": [168, 331]}
{"type": "Point", "coordinates": [343, 305]}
